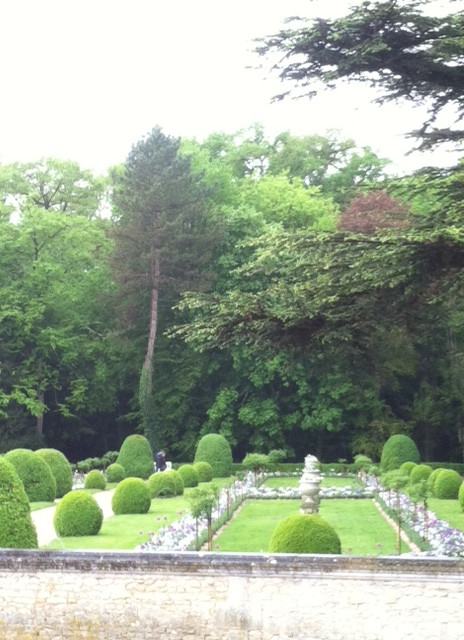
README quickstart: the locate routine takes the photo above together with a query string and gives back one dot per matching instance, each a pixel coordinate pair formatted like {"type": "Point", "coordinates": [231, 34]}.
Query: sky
{"type": "Point", "coordinates": [85, 80]}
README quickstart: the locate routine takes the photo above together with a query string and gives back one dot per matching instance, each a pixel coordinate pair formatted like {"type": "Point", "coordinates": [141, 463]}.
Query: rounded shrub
{"type": "Point", "coordinates": [431, 480]}
{"type": "Point", "coordinates": [419, 472]}
{"type": "Point", "coordinates": [461, 496]}
{"type": "Point", "coordinates": [95, 480]}
{"type": "Point", "coordinates": [136, 457]}
{"type": "Point", "coordinates": [398, 449]}
{"type": "Point", "coordinates": [132, 495]}
{"type": "Point", "coordinates": [162, 485]}
{"type": "Point", "coordinates": [34, 473]}
{"type": "Point", "coordinates": [189, 475]}
{"type": "Point", "coordinates": [362, 462]}
{"type": "Point", "coordinates": [214, 449]}
{"type": "Point", "coordinates": [407, 467]}
{"type": "Point", "coordinates": [60, 468]}
{"type": "Point", "coordinates": [204, 470]}
{"type": "Point", "coordinates": [17, 530]}
{"type": "Point", "coordinates": [447, 484]}
{"type": "Point", "coordinates": [115, 472]}
{"type": "Point", "coordinates": [305, 534]}
{"type": "Point", "coordinates": [78, 514]}
{"type": "Point", "coordinates": [178, 482]}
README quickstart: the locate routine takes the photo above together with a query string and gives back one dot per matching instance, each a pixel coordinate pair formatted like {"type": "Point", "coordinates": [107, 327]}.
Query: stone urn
{"type": "Point", "coordinates": [309, 486]}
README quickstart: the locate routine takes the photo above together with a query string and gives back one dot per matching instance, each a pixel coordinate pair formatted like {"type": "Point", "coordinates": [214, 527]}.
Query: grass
{"type": "Point", "coordinates": [449, 511]}
{"type": "Point", "coordinates": [362, 530]}
{"type": "Point", "coordinates": [275, 483]}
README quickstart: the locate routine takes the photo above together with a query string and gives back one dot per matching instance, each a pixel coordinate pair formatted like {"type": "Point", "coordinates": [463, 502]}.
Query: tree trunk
{"type": "Point", "coordinates": [155, 278]}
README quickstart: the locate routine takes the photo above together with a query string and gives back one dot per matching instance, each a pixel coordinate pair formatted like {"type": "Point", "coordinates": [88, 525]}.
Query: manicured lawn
{"type": "Point", "coordinates": [293, 481]}
{"type": "Point", "coordinates": [449, 511]}
{"type": "Point", "coordinates": [362, 530]}
{"type": "Point", "coordinates": [128, 531]}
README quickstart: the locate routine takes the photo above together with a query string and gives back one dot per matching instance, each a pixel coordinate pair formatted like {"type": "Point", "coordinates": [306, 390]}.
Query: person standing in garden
{"type": "Point", "coordinates": [160, 461]}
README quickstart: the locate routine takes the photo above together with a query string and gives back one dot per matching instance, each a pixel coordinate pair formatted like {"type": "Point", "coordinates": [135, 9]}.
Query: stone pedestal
{"type": "Point", "coordinates": [309, 486]}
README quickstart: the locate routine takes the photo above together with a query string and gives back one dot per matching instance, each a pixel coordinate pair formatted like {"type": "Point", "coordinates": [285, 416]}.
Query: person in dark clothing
{"type": "Point", "coordinates": [160, 461]}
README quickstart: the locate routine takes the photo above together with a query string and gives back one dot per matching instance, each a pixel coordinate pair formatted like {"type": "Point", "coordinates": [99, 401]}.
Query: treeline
{"type": "Point", "coordinates": [285, 293]}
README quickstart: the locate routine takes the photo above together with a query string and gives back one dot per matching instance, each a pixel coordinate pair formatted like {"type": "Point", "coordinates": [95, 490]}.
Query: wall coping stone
{"type": "Point", "coordinates": [236, 564]}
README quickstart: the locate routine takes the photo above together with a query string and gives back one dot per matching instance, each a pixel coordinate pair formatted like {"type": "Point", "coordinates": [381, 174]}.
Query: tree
{"type": "Point", "coordinates": [55, 348]}
{"type": "Point", "coordinates": [392, 45]}
{"type": "Point", "coordinates": [162, 239]}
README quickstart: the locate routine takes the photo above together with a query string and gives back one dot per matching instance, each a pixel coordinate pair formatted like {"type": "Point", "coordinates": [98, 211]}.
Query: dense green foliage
{"type": "Point", "coordinates": [162, 484]}
{"type": "Point", "coordinates": [132, 495]}
{"type": "Point", "coordinates": [35, 474]}
{"type": "Point", "coordinates": [397, 450]}
{"type": "Point", "coordinates": [214, 449]}
{"type": "Point", "coordinates": [78, 514]}
{"type": "Point", "coordinates": [17, 530]}
{"type": "Point", "coordinates": [461, 496]}
{"type": "Point", "coordinates": [407, 467]}
{"type": "Point", "coordinates": [304, 534]}
{"type": "Point", "coordinates": [95, 480]}
{"type": "Point", "coordinates": [136, 457]}
{"type": "Point", "coordinates": [115, 472]}
{"type": "Point", "coordinates": [189, 475]}
{"type": "Point", "coordinates": [60, 468]}
{"type": "Point", "coordinates": [204, 471]}
{"type": "Point", "coordinates": [419, 473]}
{"type": "Point", "coordinates": [447, 484]}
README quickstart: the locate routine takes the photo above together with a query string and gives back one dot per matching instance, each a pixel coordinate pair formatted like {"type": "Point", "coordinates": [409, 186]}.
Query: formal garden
{"type": "Point", "coordinates": [396, 506]}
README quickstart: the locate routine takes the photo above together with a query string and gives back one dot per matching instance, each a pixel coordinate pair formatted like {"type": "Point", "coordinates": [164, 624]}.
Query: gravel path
{"type": "Point", "coordinates": [43, 518]}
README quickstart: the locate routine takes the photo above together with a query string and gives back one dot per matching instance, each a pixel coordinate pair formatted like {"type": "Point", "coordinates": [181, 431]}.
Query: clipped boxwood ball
{"type": "Point", "coordinates": [178, 482]}
{"type": "Point", "coordinates": [132, 495]}
{"type": "Point", "coordinates": [34, 473]}
{"type": "Point", "coordinates": [397, 450]}
{"type": "Point", "coordinates": [78, 514]}
{"type": "Point", "coordinates": [214, 449]}
{"type": "Point", "coordinates": [407, 467]}
{"type": "Point", "coordinates": [115, 472]}
{"type": "Point", "coordinates": [61, 469]}
{"type": "Point", "coordinates": [431, 480]}
{"type": "Point", "coordinates": [161, 485]}
{"type": "Point", "coordinates": [447, 484]}
{"type": "Point", "coordinates": [461, 496]}
{"type": "Point", "coordinates": [419, 472]}
{"type": "Point", "coordinates": [95, 480]}
{"type": "Point", "coordinates": [189, 475]}
{"type": "Point", "coordinates": [204, 470]}
{"type": "Point", "coordinates": [17, 530]}
{"type": "Point", "coordinates": [136, 457]}
{"type": "Point", "coordinates": [305, 534]}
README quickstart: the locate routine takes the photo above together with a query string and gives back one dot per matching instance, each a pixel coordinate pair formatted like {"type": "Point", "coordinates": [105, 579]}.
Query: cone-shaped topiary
{"type": "Point", "coordinates": [115, 472]}
{"type": "Point", "coordinates": [214, 449]}
{"type": "Point", "coordinates": [78, 514]}
{"type": "Point", "coordinates": [447, 484]}
{"type": "Point", "coordinates": [419, 472]}
{"type": "Point", "coordinates": [162, 485]}
{"type": "Point", "coordinates": [304, 534]}
{"type": "Point", "coordinates": [61, 469]}
{"type": "Point", "coordinates": [189, 475]}
{"type": "Point", "coordinates": [34, 473]}
{"type": "Point", "coordinates": [17, 530]}
{"type": "Point", "coordinates": [136, 457]}
{"type": "Point", "coordinates": [398, 449]}
{"type": "Point", "coordinates": [204, 470]}
{"type": "Point", "coordinates": [132, 495]}
{"type": "Point", "coordinates": [95, 480]}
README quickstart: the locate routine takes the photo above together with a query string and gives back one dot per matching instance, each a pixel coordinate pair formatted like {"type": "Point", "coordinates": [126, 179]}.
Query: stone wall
{"type": "Point", "coordinates": [134, 596]}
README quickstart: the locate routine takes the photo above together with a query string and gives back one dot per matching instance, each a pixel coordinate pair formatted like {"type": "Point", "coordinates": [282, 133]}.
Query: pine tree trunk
{"type": "Point", "coordinates": [146, 377]}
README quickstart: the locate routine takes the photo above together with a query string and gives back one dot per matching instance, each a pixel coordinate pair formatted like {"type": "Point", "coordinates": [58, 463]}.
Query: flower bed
{"type": "Point", "coordinates": [443, 539]}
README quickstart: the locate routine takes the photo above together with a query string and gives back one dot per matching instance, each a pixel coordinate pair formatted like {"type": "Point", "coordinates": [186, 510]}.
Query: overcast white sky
{"type": "Point", "coordinates": [84, 80]}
